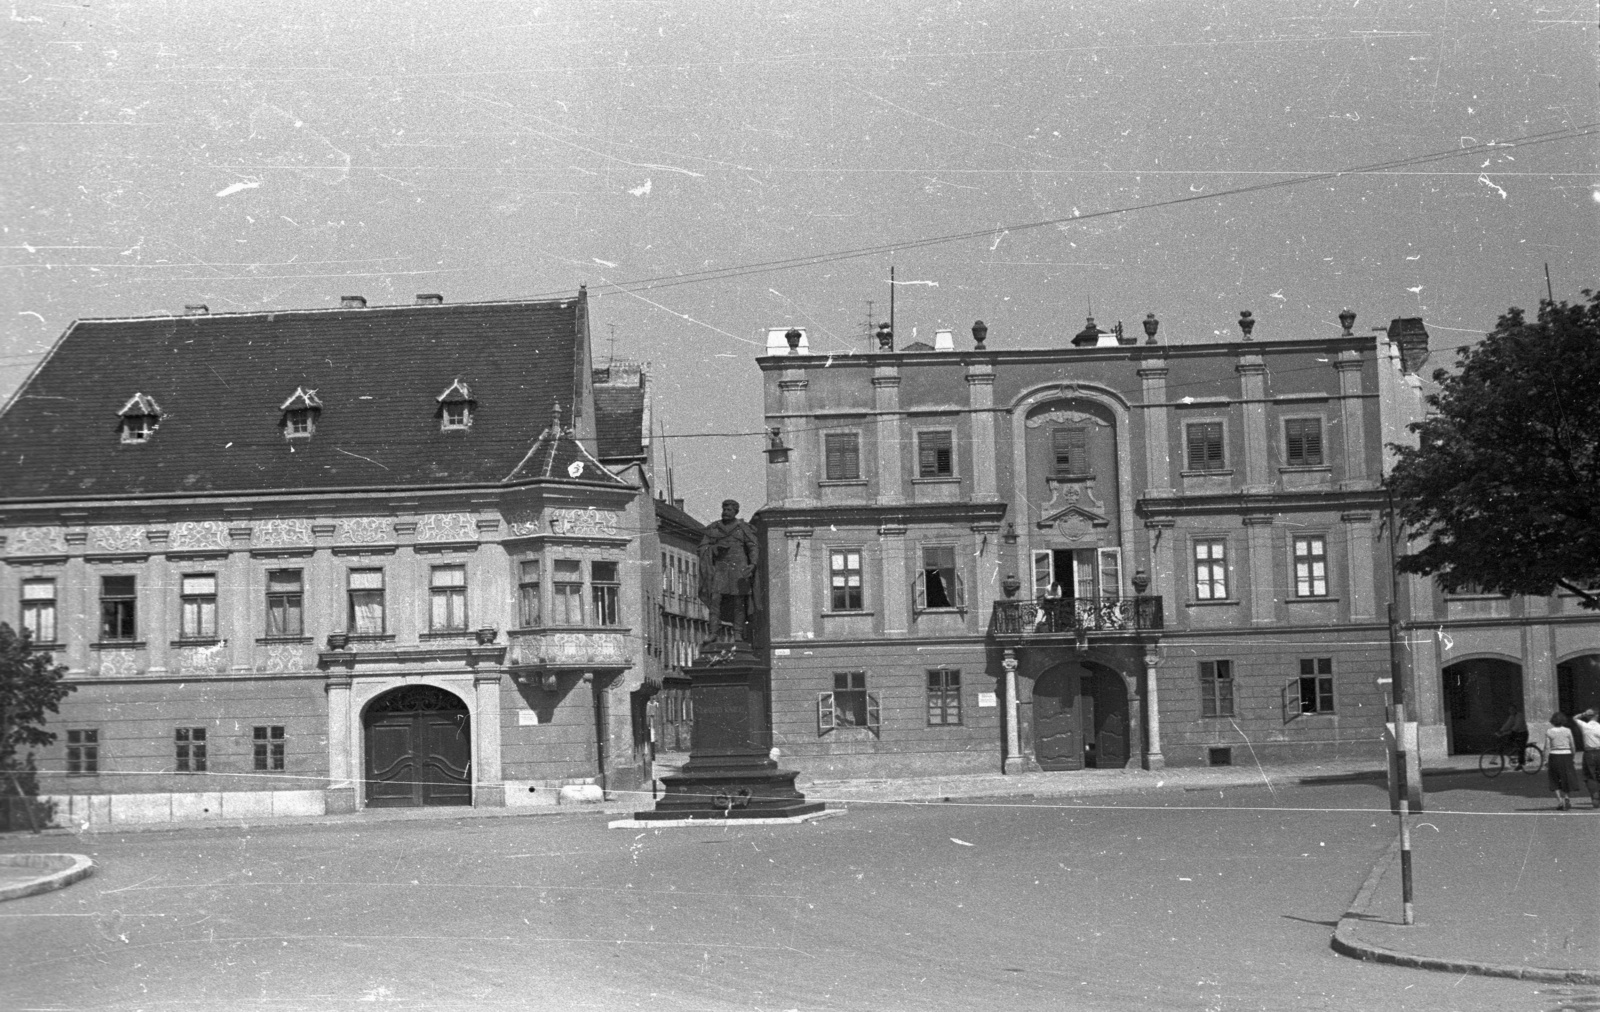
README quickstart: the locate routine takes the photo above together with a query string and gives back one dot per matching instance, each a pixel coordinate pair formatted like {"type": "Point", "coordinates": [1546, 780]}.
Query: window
{"type": "Point", "coordinates": [1310, 566]}
{"type": "Point", "coordinates": [268, 742]}
{"type": "Point", "coordinates": [934, 455]}
{"type": "Point", "coordinates": [366, 602]}
{"type": "Point", "coordinates": [849, 704]}
{"type": "Point", "coordinates": [300, 413]}
{"type": "Point", "coordinates": [605, 591]}
{"type": "Point", "coordinates": [1312, 692]}
{"type": "Point", "coordinates": [1205, 446]}
{"type": "Point", "coordinates": [139, 428]}
{"type": "Point", "coordinates": [1216, 688]}
{"type": "Point", "coordinates": [457, 415]}
{"type": "Point", "coordinates": [843, 453]}
{"type": "Point", "coordinates": [116, 608]}
{"type": "Point", "coordinates": [298, 422]}
{"type": "Point", "coordinates": [939, 585]}
{"type": "Point", "coordinates": [1070, 450]}
{"type": "Point", "coordinates": [1211, 569]}
{"type": "Point", "coordinates": [528, 615]}
{"type": "Point", "coordinates": [845, 571]}
{"type": "Point", "coordinates": [39, 610]}
{"type": "Point", "coordinates": [455, 407]}
{"type": "Point", "coordinates": [285, 603]}
{"type": "Point", "coordinates": [568, 597]}
{"type": "Point", "coordinates": [944, 697]}
{"type": "Point", "coordinates": [83, 751]}
{"type": "Point", "coordinates": [1302, 438]}
{"type": "Point", "coordinates": [191, 747]}
{"type": "Point", "coordinates": [447, 599]}
{"type": "Point", "coordinates": [198, 613]}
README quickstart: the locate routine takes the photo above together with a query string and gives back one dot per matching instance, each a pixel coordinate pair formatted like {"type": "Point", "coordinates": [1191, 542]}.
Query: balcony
{"type": "Point", "coordinates": [575, 648]}
{"type": "Point", "coordinates": [1057, 616]}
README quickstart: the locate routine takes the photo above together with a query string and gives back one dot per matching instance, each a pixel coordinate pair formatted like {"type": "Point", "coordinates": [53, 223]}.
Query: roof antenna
{"type": "Point", "coordinates": [611, 353]}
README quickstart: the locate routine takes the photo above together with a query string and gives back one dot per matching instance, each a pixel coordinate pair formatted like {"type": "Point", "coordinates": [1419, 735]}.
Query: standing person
{"type": "Point", "coordinates": [1589, 726]}
{"type": "Point", "coordinates": [1558, 739]}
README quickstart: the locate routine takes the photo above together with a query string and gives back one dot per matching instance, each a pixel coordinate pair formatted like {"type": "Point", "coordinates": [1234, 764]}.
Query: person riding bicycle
{"type": "Point", "coordinates": [1513, 735]}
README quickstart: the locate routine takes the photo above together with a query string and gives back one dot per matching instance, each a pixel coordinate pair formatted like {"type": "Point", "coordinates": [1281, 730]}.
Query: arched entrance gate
{"type": "Point", "coordinates": [1080, 717]}
{"type": "Point", "coordinates": [418, 749]}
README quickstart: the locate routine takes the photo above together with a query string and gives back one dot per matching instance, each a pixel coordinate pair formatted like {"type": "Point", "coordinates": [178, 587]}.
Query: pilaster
{"type": "Point", "coordinates": [341, 794]}
{"type": "Point", "coordinates": [1253, 398]}
{"type": "Point", "coordinates": [980, 402]}
{"type": "Point", "coordinates": [488, 787]}
{"type": "Point", "coordinates": [1352, 418]}
{"type": "Point", "coordinates": [889, 425]}
{"type": "Point", "coordinates": [1262, 551]}
{"type": "Point", "coordinates": [1359, 544]}
{"type": "Point", "coordinates": [896, 608]}
{"type": "Point", "coordinates": [1153, 759]}
{"type": "Point", "coordinates": [1157, 441]}
{"type": "Point", "coordinates": [1163, 563]}
{"type": "Point", "coordinates": [802, 602]}
{"type": "Point", "coordinates": [1013, 757]}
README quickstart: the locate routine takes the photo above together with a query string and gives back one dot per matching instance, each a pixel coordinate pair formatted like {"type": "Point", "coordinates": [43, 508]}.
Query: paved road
{"type": "Point", "coordinates": [1172, 900]}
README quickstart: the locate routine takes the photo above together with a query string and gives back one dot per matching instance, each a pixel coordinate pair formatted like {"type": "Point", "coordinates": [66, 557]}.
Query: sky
{"type": "Point", "coordinates": [278, 155]}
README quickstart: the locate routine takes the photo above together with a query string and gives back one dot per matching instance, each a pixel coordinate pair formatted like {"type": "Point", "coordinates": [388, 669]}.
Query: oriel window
{"type": "Point", "coordinates": [567, 597]}
{"type": "Point", "coordinates": [528, 613]}
{"type": "Point", "coordinates": [605, 592]}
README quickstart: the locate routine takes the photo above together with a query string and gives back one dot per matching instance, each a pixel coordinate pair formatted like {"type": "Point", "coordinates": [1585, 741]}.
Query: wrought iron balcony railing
{"type": "Point", "coordinates": [1070, 616]}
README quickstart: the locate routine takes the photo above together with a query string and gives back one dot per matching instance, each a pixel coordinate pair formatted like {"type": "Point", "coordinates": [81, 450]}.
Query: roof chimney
{"type": "Point", "coordinates": [196, 309]}
{"type": "Point", "coordinates": [944, 340]}
{"type": "Point", "coordinates": [429, 300]}
{"type": "Point", "coordinates": [1412, 338]}
{"type": "Point", "coordinates": [678, 503]}
{"type": "Point", "coordinates": [352, 302]}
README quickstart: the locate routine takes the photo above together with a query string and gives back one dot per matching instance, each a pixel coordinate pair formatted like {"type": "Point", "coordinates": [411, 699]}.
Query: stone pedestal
{"type": "Point", "coordinates": [730, 774]}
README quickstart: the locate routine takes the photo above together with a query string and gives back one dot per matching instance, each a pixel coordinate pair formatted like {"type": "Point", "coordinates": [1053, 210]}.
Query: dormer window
{"type": "Point", "coordinates": [140, 418]}
{"type": "Point", "coordinates": [300, 413]}
{"type": "Point", "coordinates": [455, 407]}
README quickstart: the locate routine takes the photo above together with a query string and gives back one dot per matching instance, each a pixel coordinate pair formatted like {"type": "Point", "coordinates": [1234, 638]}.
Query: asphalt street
{"type": "Point", "coordinates": [1184, 900]}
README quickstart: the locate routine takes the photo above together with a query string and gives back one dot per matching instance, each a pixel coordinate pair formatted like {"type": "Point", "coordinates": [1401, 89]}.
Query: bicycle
{"type": "Point", "coordinates": [1493, 760]}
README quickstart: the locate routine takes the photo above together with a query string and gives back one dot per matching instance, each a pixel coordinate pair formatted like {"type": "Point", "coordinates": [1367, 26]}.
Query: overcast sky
{"type": "Point", "coordinates": [278, 155]}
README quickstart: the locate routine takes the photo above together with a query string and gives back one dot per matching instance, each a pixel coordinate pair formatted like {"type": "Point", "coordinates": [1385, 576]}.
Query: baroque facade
{"type": "Point", "coordinates": [1092, 550]}
{"type": "Point", "coordinates": [306, 562]}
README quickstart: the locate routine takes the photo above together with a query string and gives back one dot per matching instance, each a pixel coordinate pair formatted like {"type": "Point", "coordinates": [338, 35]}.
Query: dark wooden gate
{"type": "Point", "coordinates": [419, 749]}
{"type": "Point", "coordinates": [1057, 737]}
{"type": "Point", "coordinates": [1109, 725]}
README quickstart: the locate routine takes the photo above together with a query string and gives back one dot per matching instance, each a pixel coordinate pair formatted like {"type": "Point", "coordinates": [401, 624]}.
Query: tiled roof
{"type": "Point", "coordinates": [558, 455]}
{"type": "Point", "coordinates": [222, 380]}
{"type": "Point", "coordinates": [619, 420]}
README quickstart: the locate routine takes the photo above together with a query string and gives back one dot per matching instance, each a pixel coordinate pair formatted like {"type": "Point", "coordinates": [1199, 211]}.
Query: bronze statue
{"type": "Point", "coordinates": [728, 554]}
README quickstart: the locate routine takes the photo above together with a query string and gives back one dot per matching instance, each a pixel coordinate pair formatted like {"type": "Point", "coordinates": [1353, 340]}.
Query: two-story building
{"type": "Point", "coordinates": [310, 561]}
{"type": "Point", "coordinates": [1058, 551]}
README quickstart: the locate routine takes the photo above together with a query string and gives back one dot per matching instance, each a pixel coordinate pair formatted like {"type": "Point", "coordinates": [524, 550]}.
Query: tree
{"type": "Point", "coordinates": [1504, 484]}
{"type": "Point", "coordinates": [30, 687]}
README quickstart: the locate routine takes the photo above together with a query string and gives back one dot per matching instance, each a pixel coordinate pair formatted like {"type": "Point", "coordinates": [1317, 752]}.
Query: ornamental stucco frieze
{"type": "Point", "coordinates": [568, 649]}
{"type": "Point", "coordinates": [118, 663]}
{"type": "Point", "coordinates": [202, 660]}
{"type": "Point", "coordinates": [199, 535]}
{"type": "Point", "coordinates": [36, 541]}
{"type": "Point", "coordinates": [290, 533]}
{"type": "Point", "coordinates": [365, 530]}
{"type": "Point", "coordinates": [116, 539]}
{"type": "Point", "coordinates": [284, 658]}
{"type": "Point", "coordinates": [447, 527]}
{"type": "Point", "coordinates": [1061, 415]}
{"type": "Point", "coordinates": [584, 521]}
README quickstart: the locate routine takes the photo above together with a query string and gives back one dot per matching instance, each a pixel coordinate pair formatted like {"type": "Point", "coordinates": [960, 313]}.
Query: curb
{"type": "Point", "coordinates": [1345, 944]}
{"type": "Point", "coordinates": [78, 867]}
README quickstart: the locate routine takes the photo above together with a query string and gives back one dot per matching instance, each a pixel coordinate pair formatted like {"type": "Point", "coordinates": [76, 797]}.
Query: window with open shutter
{"type": "Point", "coordinates": [1291, 700]}
{"type": "Point", "coordinates": [825, 721]}
{"type": "Point", "coordinates": [1044, 576]}
{"type": "Point", "coordinates": [874, 713]}
{"type": "Point", "coordinates": [961, 591]}
{"type": "Point", "coordinates": [1205, 446]}
{"type": "Point", "coordinates": [843, 453]}
{"type": "Point", "coordinates": [1111, 572]}
{"type": "Point", "coordinates": [936, 580]}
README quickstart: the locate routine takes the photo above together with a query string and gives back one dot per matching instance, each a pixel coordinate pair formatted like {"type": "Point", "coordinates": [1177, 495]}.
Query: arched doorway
{"type": "Point", "coordinates": [418, 749]}
{"type": "Point", "coordinates": [1080, 718]}
{"type": "Point", "coordinates": [1578, 684]}
{"type": "Point", "coordinates": [1479, 695]}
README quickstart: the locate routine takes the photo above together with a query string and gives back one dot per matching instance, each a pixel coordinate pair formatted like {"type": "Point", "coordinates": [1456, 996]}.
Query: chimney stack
{"type": "Point", "coordinates": [944, 340]}
{"type": "Point", "coordinates": [352, 302]}
{"type": "Point", "coordinates": [1411, 337]}
{"type": "Point", "coordinates": [429, 300]}
{"type": "Point", "coordinates": [197, 309]}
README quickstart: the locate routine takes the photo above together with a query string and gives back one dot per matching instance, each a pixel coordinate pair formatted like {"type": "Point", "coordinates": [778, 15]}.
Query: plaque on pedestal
{"type": "Point", "coordinates": [730, 773]}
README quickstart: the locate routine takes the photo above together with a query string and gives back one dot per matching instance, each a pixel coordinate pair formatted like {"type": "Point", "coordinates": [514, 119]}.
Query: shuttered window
{"type": "Point", "coordinates": [849, 704]}
{"type": "Point", "coordinates": [939, 585]}
{"type": "Point", "coordinates": [935, 456]}
{"type": "Point", "coordinates": [1070, 450]}
{"type": "Point", "coordinates": [1303, 442]}
{"type": "Point", "coordinates": [844, 456]}
{"type": "Point", "coordinates": [1205, 446]}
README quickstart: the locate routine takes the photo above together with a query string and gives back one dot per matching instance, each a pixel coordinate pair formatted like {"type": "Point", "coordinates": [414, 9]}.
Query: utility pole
{"type": "Point", "coordinates": [1400, 763]}
{"type": "Point", "coordinates": [1547, 289]}
{"type": "Point", "coordinates": [891, 298]}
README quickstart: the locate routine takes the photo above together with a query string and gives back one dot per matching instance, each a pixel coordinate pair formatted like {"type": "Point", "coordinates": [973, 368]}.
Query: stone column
{"type": "Point", "coordinates": [1261, 553]}
{"type": "Point", "coordinates": [1253, 393]}
{"type": "Point", "coordinates": [980, 402]}
{"type": "Point", "coordinates": [342, 794]}
{"type": "Point", "coordinates": [1157, 442]}
{"type": "Point", "coordinates": [1013, 756]}
{"type": "Point", "coordinates": [896, 608]}
{"type": "Point", "coordinates": [488, 785]}
{"type": "Point", "coordinates": [1153, 759]}
{"type": "Point", "coordinates": [802, 600]}
{"type": "Point", "coordinates": [1359, 545]}
{"type": "Point", "coordinates": [889, 426]}
{"type": "Point", "coordinates": [1352, 417]}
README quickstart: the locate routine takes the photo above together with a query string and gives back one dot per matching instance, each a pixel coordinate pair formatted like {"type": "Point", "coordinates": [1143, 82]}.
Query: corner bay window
{"type": "Point", "coordinates": [528, 612]}
{"type": "Point", "coordinates": [849, 704]}
{"type": "Point", "coordinates": [939, 585]}
{"type": "Point", "coordinates": [1312, 692]}
{"type": "Point", "coordinates": [1216, 688]}
{"type": "Point", "coordinates": [285, 603]}
{"type": "Point", "coordinates": [567, 598]}
{"type": "Point", "coordinates": [1211, 569]}
{"type": "Point", "coordinates": [1310, 566]}
{"type": "Point", "coordinates": [447, 599]}
{"type": "Point", "coordinates": [605, 590]}
{"type": "Point", "coordinates": [39, 610]}
{"type": "Point", "coordinates": [117, 608]}
{"type": "Point", "coordinates": [944, 697]}
{"type": "Point", "coordinates": [842, 451]}
{"type": "Point", "coordinates": [198, 618]}
{"type": "Point", "coordinates": [366, 602]}
{"type": "Point", "coordinates": [844, 569]}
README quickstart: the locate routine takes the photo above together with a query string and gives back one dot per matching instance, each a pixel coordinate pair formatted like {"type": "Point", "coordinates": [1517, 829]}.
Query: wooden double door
{"type": "Point", "coordinates": [1080, 718]}
{"type": "Point", "coordinates": [418, 749]}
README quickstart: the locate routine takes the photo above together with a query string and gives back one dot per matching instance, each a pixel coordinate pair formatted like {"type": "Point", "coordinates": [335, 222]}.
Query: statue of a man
{"type": "Point", "coordinates": [728, 553]}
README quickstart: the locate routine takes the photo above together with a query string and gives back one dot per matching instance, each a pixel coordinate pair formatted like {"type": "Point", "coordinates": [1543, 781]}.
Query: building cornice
{"type": "Point", "coordinates": [870, 515]}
